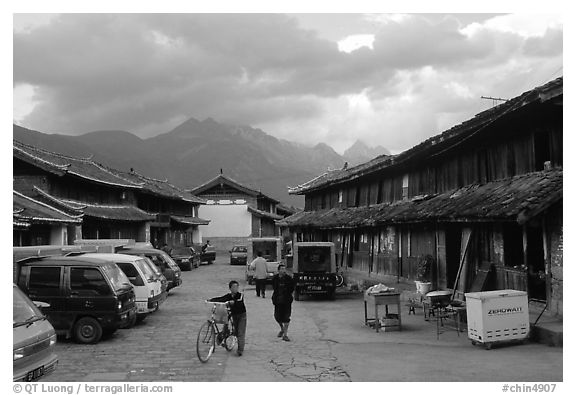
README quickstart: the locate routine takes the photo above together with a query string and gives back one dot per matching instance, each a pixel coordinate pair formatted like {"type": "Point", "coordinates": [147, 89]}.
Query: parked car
{"type": "Point", "coordinates": [238, 255]}
{"type": "Point", "coordinates": [33, 339]}
{"type": "Point", "coordinates": [85, 297]}
{"type": "Point", "coordinates": [147, 288]}
{"type": "Point", "coordinates": [162, 260]}
{"type": "Point", "coordinates": [185, 257]}
{"type": "Point", "coordinates": [207, 255]}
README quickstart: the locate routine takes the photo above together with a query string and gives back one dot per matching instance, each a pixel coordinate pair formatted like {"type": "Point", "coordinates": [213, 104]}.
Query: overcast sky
{"type": "Point", "coordinates": [392, 80]}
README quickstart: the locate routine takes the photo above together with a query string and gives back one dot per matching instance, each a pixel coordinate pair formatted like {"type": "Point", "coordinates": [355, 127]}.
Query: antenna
{"type": "Point", "coordinates": [494, 99]}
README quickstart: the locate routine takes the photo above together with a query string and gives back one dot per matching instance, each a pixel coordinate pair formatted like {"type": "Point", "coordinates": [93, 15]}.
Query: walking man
{"type": "Point", "coordinates": [283, 286]}
{"type": "Point", "coordinates": [261, 273]}
{"type": "Point", "coordinates": [238, 310]}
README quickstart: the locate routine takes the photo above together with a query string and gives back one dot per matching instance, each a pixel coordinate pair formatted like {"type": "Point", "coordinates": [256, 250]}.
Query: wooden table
{"type": "Point", "coordinates": [387, 298]}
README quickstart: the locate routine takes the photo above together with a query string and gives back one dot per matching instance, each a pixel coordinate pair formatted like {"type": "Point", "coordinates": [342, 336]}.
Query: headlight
{"type": "Point", "coordinates": [52, 340]}
{"type": "Point", "coordinates": [119, 306]}
{"type": "Point", "coordinates": [19, 353]}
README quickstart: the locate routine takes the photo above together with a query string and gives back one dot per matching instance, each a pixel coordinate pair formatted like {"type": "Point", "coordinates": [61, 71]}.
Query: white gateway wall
{"type": "Point", "coordinates": [232, 220]}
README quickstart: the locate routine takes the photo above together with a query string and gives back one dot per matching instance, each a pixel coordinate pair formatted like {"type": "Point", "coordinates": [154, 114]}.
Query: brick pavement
{"type": "Point", "coordinates": [162, 348]}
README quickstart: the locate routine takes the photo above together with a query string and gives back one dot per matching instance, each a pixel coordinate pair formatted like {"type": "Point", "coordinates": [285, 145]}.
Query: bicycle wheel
{"type": "Point", "coordinates": [230, 342]}
{"type": "Point", "coordinates": [206, 342]}
{"type": "Point", "coordinates": [339, 280]}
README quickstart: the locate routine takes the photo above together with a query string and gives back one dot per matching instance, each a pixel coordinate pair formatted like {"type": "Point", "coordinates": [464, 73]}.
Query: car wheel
{"type": "Point", "coordinates": [87, 330]}
{"type": "Point", "coordinates": [130, 323]}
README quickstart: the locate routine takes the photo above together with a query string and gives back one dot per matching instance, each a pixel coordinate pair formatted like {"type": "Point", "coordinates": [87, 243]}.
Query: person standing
{"type": "Point", "coordinates": [235, 300]}
{"type": "Point", "coordinates": [261, 273]}
{"type": "Point", "coordinates": [283, 285]}
{"type": "Point", "coordinates": [166, 249]}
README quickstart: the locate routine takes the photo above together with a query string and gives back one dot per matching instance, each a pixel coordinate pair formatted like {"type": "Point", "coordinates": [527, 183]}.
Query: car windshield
{"type": "Point", "coordinates": [314, 259]}
{"type": "Point", "coordinates": [169, 261]}
{"type": "Point", "coordinates": [239, 249]}
{"type": "Point", "coordinates": [117, 277]}
{"type": "Point", "coordinates": [146, 269]}
{"type": "Point", "coordinates": [23, 310]}
{"type": "Point", "coordinates": [181, 251]}
{"type": "Point", "coordinates": [152, 266]}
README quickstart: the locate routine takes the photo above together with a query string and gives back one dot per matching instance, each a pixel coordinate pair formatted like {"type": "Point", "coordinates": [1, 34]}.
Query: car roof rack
{"type": "Point", "coordinates": [33, 258]}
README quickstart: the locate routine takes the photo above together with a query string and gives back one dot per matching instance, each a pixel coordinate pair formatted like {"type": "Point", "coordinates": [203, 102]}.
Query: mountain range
{"type": "Point", "coordinates": [195, 151]}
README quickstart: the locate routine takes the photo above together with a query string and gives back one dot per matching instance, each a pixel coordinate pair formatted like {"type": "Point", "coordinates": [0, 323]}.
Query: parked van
{"type": "Point", "coordinates": [162, 260]}
{"type": "Point", "coordinates": [157, 274]}
{"type": "Point", "coordinates": [86, 297]}
{"type": "Point", "coordinates": [33, 338]}
{"type": "Point", "coordinates": [147, 287]}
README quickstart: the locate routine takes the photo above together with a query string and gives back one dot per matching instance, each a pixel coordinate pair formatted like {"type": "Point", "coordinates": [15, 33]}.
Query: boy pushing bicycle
{"type": "Point", "coordinates": [235, 300]}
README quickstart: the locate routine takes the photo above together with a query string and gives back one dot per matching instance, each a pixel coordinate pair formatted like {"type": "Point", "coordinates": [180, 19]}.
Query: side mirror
{"type": "Point", "coordinates": [41, 305]}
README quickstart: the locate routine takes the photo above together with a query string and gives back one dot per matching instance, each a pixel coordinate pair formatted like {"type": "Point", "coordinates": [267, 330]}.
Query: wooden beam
{"type": "Point", "coordinates": [466, 233]}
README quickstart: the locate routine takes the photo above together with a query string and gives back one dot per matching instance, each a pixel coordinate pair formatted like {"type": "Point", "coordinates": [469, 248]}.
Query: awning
{"type": "Point", "coordinates": [513, 199]}
{"type": "Point", "coordinates": [192, 221]}
{"type": "Point", "coordinates": [118, 213]}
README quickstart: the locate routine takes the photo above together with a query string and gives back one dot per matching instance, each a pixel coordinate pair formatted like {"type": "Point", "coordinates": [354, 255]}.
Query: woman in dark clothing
{"type": "Point", "coordinates": [283, 286]}
{"type": "Point", "coordinates": [238, 311]}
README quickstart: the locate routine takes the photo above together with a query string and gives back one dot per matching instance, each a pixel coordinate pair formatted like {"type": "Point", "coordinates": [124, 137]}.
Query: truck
{"type": "Point", "coordinates": [271, 249]}
{"type": "Point", "coordinates": [314, 269]}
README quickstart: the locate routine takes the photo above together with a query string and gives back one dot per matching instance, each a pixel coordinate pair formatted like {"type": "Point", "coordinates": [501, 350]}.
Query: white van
{"type": "Point", "coordinates": [147, 287]}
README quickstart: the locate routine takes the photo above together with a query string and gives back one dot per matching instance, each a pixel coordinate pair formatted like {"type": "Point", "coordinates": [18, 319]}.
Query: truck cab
{"type": "Point", "coordinates": [314, 269]}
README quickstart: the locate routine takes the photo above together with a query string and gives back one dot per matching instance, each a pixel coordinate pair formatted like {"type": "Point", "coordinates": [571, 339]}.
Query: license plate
{"type": "Point", "coordinates": [315, 288]}
{"type": "Point", "coordinates": [184, 260]}
{"type": "Point", "coordinates": [35, 374]}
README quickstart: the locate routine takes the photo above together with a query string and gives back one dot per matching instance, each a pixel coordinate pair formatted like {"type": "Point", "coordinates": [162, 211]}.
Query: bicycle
{"type": "Point", "coordinates": [210, 334]}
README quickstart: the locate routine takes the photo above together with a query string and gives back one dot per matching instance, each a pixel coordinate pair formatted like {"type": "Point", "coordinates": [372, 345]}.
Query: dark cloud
{"type": "Point", "coordinates": [546, 46]}
{"type": "Point", "coordinates": [147, 72]}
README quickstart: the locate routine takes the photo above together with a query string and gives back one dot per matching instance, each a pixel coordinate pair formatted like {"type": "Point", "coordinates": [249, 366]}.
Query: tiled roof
{"type": "Point", "coordinates": [112, 212]}
{"type": "Point", "coordinates": [26, 209]}
{"type": "Point", "coordinates": [62, 164]}
{"type": "Point", "coordinates": [96, 172]}
{"type": "Point", "coordinates": [190, 220]}
{"type": "Point", "coordinates": [220, 178]}
{"type": "Point", "coordinates": [439, 142]}
{"type": "Point", "coordinates": [159, 187]}
{"type": "Point", "coordinates": [285, 210]}
{"type": "Point", "coordinates": [265, 214]}
{"type": "Point", "coordinates": [513, 199]}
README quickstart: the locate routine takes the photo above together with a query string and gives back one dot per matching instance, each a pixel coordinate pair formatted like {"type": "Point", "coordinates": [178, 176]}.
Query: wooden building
{"type": "Point", "coordinates": [484, 199]}
{"type": "Point", "coordinates": [237, 212]}
{"type": "Point", "coordinates": [38, 223]}
{"type": "Point", "coordinates": [112, 204]}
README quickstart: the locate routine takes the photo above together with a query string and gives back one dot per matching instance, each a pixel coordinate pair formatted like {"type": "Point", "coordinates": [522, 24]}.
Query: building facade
{"type": "Point", "coordinates": [110, 203]}
{"type": "Point", "coordinates": [237, 212]}
{"type": "Point", "coordinates": [483, 199]}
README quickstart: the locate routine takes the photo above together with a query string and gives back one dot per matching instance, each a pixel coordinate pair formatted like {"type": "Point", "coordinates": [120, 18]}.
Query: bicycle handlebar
{"type": "Point", "coordinates": [207, 301]}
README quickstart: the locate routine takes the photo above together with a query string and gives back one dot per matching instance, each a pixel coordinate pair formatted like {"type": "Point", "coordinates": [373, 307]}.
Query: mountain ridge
{"type": "Point", "coordinates": [195, 151]}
